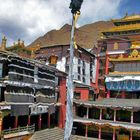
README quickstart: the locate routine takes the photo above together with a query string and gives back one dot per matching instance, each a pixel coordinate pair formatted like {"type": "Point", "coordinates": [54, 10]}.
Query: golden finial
{"type": "Point", "coordinates": [116, 45]}
{"type": "Point", "coordinates": [126, 14]}
{"type": "Point", "coordinates": [32, 54]}
{"type": "Point", "coordinates": [76, 16]}
{"type": "Point", "coordinates": [75, 45]}
{"type": "Point", "coordinates": [14, 43]}
{"type": "Point", "coordinates": [135, 44]}
{"type": "Point", "coordinates": [22, 44]}
{"type": "Point", "coordinates": [3, 44]}
{"type": "Point", "coordinates": [102, 36]}
{"type": "Point", "coordinates": [19, 42]}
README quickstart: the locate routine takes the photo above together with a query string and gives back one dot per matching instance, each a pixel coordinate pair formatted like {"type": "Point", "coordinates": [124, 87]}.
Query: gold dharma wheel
{"type": "Point", "coordinates": [135, 53]}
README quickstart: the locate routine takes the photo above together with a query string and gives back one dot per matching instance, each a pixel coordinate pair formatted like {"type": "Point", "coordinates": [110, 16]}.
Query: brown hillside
{"type": "Point", "coordinates": [86, 36]}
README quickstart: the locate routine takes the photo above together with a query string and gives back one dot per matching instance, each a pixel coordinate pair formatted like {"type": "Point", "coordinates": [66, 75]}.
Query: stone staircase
{"type": "Point", "coordinates": [55, 134]}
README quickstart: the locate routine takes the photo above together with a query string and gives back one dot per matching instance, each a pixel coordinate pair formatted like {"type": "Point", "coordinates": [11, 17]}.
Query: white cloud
{"type": "Point", "coordinates": [28, 19]}
{"type": "Point", "coordinates": [95, 10]}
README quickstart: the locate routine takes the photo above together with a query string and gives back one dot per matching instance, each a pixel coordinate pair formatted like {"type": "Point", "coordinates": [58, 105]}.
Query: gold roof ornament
{"type": "Point", "coordinates": [38, 45]}
{"type": "Point", "coordinates": [135, 44]}
{"type": "Point", "coordinates": [134, 54]}
{"type": "Point", "coordinates": [14, 43]}
{"type": "Point", "coordinates": [22, 44]}
{"type": "Point", "coordinates": [32, 54]}
{"type": "Point", "coordinates": [75, 45]}
{"type": "Point", "coordinates": [116, 46]}
{"type": "Point", "coordinates": [120, 56]}
{"type": "Point", "coordinates": [129, 17]}
{"type": "Point", "coordinates": [126, 14]}
{"type": "Point", "coordinates": [3, 44]}
{"type": "Point", "coordinates": [102, 36]}
{"type": "Point", "coordinates": [53, 59]}
{"type": "Point", "coordinates": [18, 42]}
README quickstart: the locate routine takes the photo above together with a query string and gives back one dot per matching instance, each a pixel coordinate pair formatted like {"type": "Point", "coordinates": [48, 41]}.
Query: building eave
{"type": "Point", "coordinates": [126, 104]}
{"type": "Point", "coordinates": [126, 125]}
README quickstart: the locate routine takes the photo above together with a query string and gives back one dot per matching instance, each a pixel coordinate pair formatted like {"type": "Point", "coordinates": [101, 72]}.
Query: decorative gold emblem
{"type": "Point", "coordinates": [102, 36]}
{"type": "Point", "coordinates": [116, 45]}
{"type": "Point", "coordinates": [135, 44]}
{"type": "Point", "coordinates": [134, 53]}
{"type": "Point", "coordinates": [120, 56]}
{"type": "Point", "coordinates": [53, 59]}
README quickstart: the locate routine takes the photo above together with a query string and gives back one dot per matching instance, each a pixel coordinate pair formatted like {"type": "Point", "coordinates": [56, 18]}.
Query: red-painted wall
{"type": "Point", "coordinates": [84, 93]}
{"type": "Point", "coordinates": [62, 100]}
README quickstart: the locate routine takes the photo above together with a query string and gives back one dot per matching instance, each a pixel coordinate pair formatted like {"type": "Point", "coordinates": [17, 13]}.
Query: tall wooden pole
{"type": "Point", "coordinates": [69, 107]}
{"type": "Point", "coordinates": [75, 5]}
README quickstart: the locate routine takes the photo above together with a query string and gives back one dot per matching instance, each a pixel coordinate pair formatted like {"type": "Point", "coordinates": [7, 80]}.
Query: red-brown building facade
{"type": "Point", "coordinates": [83, 67]}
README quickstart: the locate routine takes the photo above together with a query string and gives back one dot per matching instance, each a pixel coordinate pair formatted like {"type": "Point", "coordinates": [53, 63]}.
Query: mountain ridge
{"type": "Point", "coordinates": [86, 35]}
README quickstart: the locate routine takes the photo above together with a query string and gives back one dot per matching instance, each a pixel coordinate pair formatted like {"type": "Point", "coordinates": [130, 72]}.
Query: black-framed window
{"type": "Point", "coordinates": [77, 95]}
{"type": "Point", "coordinates": [1, 70]}
{"type": "Point", "coordinates": [79, 70]}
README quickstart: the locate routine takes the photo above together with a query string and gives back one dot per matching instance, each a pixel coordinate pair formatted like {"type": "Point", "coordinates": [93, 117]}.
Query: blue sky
{"type": "Point", "coordinates": [30, 19]}
{"type": "Point", "coordinates": [129, 6]}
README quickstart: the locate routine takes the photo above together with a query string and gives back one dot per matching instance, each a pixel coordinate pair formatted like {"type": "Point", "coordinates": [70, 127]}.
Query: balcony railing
{"type": "Point", "coordinates": [27, 128]}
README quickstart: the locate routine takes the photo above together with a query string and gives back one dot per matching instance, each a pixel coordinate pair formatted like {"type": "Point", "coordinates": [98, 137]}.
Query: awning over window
{"type": "Point", "coordinates": [125, 83]}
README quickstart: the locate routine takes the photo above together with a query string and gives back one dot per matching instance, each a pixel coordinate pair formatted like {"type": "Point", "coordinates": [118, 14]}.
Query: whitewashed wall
{"type": "Point", "coordinates": [87, 73]}
{"type": "Point", "coordinates": [75, 68]}
{"type": "Point", "coordinates": [61, 65]}
{"type": "Point", "coordinates": [94, 67]}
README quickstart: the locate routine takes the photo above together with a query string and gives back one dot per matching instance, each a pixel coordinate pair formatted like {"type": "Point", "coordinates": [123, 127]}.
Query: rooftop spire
{"type": "Point", "coordinates": [3, 44]}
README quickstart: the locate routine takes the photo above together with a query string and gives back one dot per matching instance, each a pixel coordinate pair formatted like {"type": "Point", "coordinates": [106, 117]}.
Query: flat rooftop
{"type": "Point", "coordinates": [55, 134]}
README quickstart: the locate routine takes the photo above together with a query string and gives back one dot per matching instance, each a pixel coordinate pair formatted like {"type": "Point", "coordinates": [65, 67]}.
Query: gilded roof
{"type": "Point", "coordinates": [127, 18]}
{"type": "Point", "coordinates": [124, 28]}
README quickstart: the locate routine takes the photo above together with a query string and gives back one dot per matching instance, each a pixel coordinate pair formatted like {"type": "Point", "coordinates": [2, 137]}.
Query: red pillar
{"type": "Point", "coordinates": [29, 120]}
{"type": "Point", "coordinates": [115, 111]}
{"type": "Point", "coordinates": [132, 116]}
{"type": "Point", "coordinates": [49, 119]}
{"type": "Point", "coordinates": [108, 94]}
{"type": "Point", "coordinates": [123, 94]}
{"type": "Point", "coordinates": [114, 134]}
{"type": "Point", "coordinates": [99, 134]}
{"type": "Point", "coordinates": [107, 63]}
{"type": "Point", "coordinates": [1, 121]}
{"type": "Point", "coordinates": [86, 132]}
{"type": "Point", "coordinates": [131, 134]}
{"type": "Point", "coordinates": [101, 113]}
{"type": "Point", "coordinates": [62, 100]}
{"type": "Point", "coordinates": [97, 71]}
{"type": "Point", "coordinates": [39, 122]}
{"type": "Point", "coordinates": [16, 122]}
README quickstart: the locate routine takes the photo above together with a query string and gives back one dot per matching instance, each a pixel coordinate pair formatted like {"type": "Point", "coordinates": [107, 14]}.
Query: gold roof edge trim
{"type": "Point", "coordinates": [124, 59]}
{"type": "Point", "coordinates": [123, 73]}
{"type": "Point", "coordinates": [123, 28]}
{"type": "Point", "coordinates": [127, 18]}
